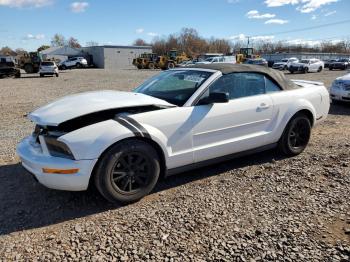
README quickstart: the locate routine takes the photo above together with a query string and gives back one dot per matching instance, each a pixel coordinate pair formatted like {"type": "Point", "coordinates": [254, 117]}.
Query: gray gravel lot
{"type": "Point", "coordinates": [257, 208]}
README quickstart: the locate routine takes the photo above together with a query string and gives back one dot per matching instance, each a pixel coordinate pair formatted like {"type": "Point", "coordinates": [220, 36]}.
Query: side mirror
{"type": "Point", "coordinates": [215, 97]}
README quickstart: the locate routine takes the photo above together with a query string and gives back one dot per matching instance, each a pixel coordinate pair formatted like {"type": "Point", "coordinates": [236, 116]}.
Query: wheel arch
{"type": "Point", "coordinates": [149, 141]}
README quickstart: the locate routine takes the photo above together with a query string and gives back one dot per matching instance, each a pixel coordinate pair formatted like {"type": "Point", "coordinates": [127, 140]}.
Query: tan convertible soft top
{"type": "Point", "coordinates": [226, 68]}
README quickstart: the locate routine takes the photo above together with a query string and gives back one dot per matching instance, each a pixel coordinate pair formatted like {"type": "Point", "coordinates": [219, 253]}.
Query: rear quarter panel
{"type": "Point", "coordinates": [287, 103]}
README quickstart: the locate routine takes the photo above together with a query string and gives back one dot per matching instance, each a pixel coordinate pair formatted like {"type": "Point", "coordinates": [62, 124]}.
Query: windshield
{"type": "Point", "coordinates": [284, 60]}
{"type": "Point", "coordinates": [209, 59]}
{"type": "Point", "coordinates": [175, 87]}
{"type": "Point", "coordinates": [47, 63]}
{"type": "Point", "coordinates": [305, 61]}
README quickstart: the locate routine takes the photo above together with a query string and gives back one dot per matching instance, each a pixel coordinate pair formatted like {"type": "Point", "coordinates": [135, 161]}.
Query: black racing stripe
{"type": "Point", "coordinates": [137, 125]}
{"type": "Point", "coordinates": [124, 123]}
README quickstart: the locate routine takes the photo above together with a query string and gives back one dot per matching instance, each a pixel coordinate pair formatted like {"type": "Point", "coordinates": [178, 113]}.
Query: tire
{"type": "Point", "coordinates": [331, 68]}
{"type": "Point", "coordinates": [285, 67]}
{"type": "Point", "coordinates": [151, 66]}
{"type": "Point", "coordinates": [306, 70]}
{"type": "Point", "coordinates": [319, 69]}
{"type": "Point", "coordinates": [64, 67]}
{"type": "Point", "coordinates": [56, 75]}
{"type": "Point", "coordinates": [170, 65]}
{"type": "Point", "coordinates": [78, 65]}
{"type": "Point", "coordinates": [28, 68]}
{"type": "Point", "coordinates": [291, 71]}
{"type": "Point", "coordinates": [295, 136]}
{"type": "Point", "coordinates": [139, 66]}
{"type": "Point", "coordinates": [41, 75]}
{"type": "Point", "coordinates": [120, 168]}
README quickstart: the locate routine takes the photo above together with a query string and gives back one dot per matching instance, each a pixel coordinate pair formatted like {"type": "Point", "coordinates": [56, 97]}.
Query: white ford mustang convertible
{"type": "Point", "coordinates": [178, 120]}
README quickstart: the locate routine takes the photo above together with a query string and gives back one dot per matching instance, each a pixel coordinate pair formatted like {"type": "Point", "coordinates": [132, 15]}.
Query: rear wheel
{"type": "Point", "coordinates": [296, 135]}
{"type": "Point", "coordinates": [41, 75]}
{"type": "Point", "coordinates": [78, 65]}
{"type": "Point", "coordinates": [128, 171]}
{"type": "Point", "coordinates": [331, 68]}
{"type": "Point", "coordinates": [319, 69]}
{"type": "Point", "coordinates": [139, 66]}
{"type": "Point", "coordinates": [306, 70]}
{"type": "Point", "coordinates": [151, 66]}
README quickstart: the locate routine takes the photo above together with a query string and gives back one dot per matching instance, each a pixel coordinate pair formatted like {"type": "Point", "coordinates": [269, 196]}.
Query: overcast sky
{"type": "Point", "coordinates": [31, 23]}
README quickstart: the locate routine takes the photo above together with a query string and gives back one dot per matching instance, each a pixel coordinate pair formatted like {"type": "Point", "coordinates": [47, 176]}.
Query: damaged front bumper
{"type": "Point", "coordinates": [50, 170]}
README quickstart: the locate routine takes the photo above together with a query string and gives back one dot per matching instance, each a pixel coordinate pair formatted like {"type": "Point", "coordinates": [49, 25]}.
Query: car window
{"type": "Point", "coordinates": [239, 85]}
{"type": "Point", "coordinates": [47, 63]}
{"type": "Point", "coordinates": [271, 86]}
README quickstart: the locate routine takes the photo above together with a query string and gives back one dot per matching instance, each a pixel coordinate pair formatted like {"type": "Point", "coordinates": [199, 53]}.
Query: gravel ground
{"type": "Point", "coordinates": [257, 208]}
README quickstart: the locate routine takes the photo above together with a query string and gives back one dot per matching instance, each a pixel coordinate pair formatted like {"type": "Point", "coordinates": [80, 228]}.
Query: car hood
{"type": "Point", "coordinates": [344, 78]}
{"type": "Point", "coordinates": [298, 64]}
{"type": "Point", "coordinates": [73, 106]}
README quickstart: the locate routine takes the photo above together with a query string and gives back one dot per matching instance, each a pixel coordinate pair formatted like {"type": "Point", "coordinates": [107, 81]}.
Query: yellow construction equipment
{"type": "Point", "coordinates": [145, 61]}
{"type": "Point", "coordinates": [244, 54]}
{"type": "Point", "coordinates": [29, 62]}
{"type": "Point", "coordinates": [171, 59]}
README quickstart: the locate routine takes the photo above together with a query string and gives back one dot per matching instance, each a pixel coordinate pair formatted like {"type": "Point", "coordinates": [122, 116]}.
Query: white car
{"type": "Point", "coordinates": [307, 66]}
{"type": "Point", "coordinates": [219, 59]}
{"type": "Point", "coordinates": [178, 120]}
{"type": "Point", "coordinates": [77, 62]}
{"type": "Point", "coordinates": [48, 68]}
{"type": "Point", "coordinates": [285, 63]}
{"type": "Point", "coordinates": [340, 89]}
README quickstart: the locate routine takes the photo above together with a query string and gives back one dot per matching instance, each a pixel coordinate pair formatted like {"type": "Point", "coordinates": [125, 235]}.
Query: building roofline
{"type": "Point", "coordinates": [121, 46]}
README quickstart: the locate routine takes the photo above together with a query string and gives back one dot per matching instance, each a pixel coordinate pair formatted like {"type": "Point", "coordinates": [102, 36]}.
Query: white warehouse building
{"type": "Point", "coordinates": [115, 57]}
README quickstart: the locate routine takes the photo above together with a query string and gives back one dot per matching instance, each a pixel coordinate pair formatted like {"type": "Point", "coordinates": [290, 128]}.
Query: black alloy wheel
{"type": "Point", "coordinates": [128, 171]}
{"type": "Point", "coordinates": [296, 135]}
{"type": "Point", "coordinates": [131, 173]}
{"type": "Point", "coordinates": [299, 134]}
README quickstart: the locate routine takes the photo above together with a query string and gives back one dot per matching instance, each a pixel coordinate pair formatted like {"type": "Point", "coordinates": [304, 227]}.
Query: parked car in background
{"type": "Point", "coordinates": [177, 120]}
{"type": "Point", "coordinates": [186, 63]}
{"type": "Point", "coordinates": [219, 59]}
{"type": "Point", "coordinates": [307, 66]}
{"type": "Point", "coordinates": [340, 89]}
{"type": "Point", "coordinates": [8, 68]}
{"type": "Point", "coordinates": [328, 62]}
{"type": "Point", "coordinates": [74, 62]}
{"type": "Point", "coordinates": [343, 64]}
{"type": "Point", "coordinates": [257, 61]}
{"type": "Point", "coordinates": [48, 68]}
{"type": "Point", "coordinates": [285, 63]}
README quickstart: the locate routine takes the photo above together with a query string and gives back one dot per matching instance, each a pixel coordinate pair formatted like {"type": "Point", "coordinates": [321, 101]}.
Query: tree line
{"type": "Point", "coordinates": [189, 41]}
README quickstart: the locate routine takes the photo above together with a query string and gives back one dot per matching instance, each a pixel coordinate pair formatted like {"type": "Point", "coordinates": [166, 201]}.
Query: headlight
{"type": "Point", "coordinates": [57, 148]}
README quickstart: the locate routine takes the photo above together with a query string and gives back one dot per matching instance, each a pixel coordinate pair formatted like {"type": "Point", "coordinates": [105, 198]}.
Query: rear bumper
{"type": "Point", "coordinates": [34, 160]}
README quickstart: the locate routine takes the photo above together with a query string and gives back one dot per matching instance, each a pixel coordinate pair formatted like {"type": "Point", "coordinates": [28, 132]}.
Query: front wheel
{"type": "Point", "coordinates": [306, 70]}
{"type": "Point", "coordinates": [171, 65]}
{"type": "Point", "coordinates": [296, 135]}
{"type": "Point", "coordinates": [128, 171]}
{"type": "Point", "coordinates": [319, 69]}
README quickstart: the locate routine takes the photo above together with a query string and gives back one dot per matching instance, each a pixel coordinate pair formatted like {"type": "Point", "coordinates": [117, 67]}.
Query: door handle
{"type": "Point", "coordinates": [263, 106]}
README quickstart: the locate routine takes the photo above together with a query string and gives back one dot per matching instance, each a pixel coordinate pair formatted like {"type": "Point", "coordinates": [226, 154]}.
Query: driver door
{"type": "Point", "coordinates": [241, 124]}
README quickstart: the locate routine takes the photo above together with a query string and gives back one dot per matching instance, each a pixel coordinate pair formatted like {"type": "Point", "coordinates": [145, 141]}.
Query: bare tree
{"type": "Point", "coordinates": [73, 42]}
{"type": "Point", "coordinates": [58, 40]}
{"type": "Point", "coordinates": [140, 42]}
